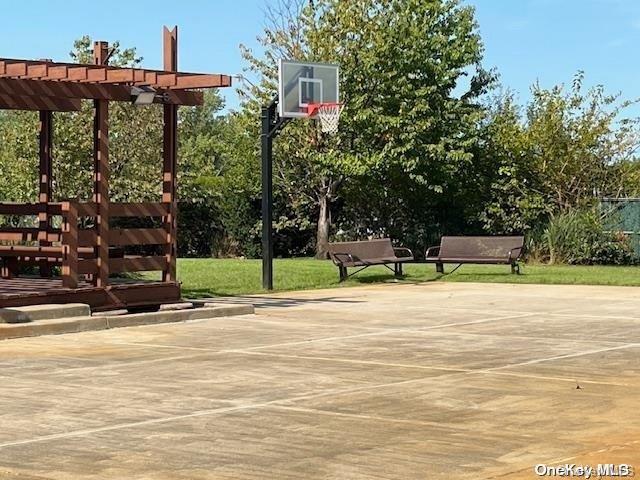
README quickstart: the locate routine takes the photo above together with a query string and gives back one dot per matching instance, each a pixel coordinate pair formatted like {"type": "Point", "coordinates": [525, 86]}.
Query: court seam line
{"type": "Point", "coordinates": [360, 362]}
{"type": "Point", "coordinates": [535, 337]}
{"type": "Point", "coordinates": [438, 368]}
{"type": "Point", "coordinates": [562, 357]}
{"type": "Point", "coordinates": [377, 332]}
{"type": "Point", "coordinates": [577, 315]}
{"type": "Point", "coordinates": [120, 364]}
{"type": "Point", "coordinates": [383, 332]}
{"type": "Point", "coordinates": [209, 351]}
{"type": "Point", "coordinates": [567, 379]}
{"type": "Point", "coordinates": [369, 417]}
{"type": "Point", "coordinates": [294, 323]}
{"type": "Point", "coordinates": [206, 351]}
{"type": "Point", "coordinates": [508, 315]}
{"type": "Point", "coordinates": [201, 413]}
{"type": "Point", "coordinates": [224, 410]}
{"type": "Point", "coordinates": [367, 362]}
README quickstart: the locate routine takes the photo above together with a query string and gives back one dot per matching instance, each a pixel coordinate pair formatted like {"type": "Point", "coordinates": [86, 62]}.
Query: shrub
{"type": "Point", "coordinates": [579, 237]}
{"type": "Point", "coordinates": [200, 233]}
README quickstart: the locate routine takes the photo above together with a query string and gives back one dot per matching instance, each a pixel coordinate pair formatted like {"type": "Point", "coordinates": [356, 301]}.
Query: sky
{"type": "Point", "coordinates": [550, 40]}
{"type": "Point", "coordinates": [525, 40]}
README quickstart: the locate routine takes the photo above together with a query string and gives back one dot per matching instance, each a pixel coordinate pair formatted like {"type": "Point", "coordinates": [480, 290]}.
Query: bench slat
{"type": "Point", "coordinates": [371, 250]}
{"type": "Point", "coordinates": [479, 247]}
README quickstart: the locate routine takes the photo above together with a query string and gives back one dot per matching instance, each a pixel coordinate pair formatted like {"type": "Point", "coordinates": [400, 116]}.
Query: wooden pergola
{"type": "Point", "coordinates": [88, 257]}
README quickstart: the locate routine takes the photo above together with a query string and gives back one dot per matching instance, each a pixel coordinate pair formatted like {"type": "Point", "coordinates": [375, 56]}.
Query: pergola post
{"type": "Point", "coordinates": [45, 182]}
{"type": "Point", "coordinates": [169, 159]}
{"type": "Point", "coordinates": [70, 245]}
{"type": "Point", "coordinates": [101, 175]}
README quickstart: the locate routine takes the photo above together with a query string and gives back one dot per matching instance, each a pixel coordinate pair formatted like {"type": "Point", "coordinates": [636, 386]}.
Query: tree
{"type": "Point", "coordinates": [201, 161]}
{"type": "Point", "coordinates": [410, 122]}
{"type": "Point", "coordinates": [568, 149]}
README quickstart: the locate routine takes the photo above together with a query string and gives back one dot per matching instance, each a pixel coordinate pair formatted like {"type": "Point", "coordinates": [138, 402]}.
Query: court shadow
{"type": "Point", "coordinates": [266, 301]}
{"type": "Point", "coordinates": [391, 280]}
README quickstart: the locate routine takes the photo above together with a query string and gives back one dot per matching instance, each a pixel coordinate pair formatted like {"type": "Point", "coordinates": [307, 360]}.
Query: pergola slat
{"type": "Point", "coordinates": [137, 236]}
{"type": "Point", "coordinates": [143, 209]}
{"type": "Point", "coordinates": [77, 73]}
{"type": "Point", "coordinates": [37, 70]}
{"type": "Point", "coordinates": [137, 264]}
{"type": "Point", "coordinates": [56, 73]}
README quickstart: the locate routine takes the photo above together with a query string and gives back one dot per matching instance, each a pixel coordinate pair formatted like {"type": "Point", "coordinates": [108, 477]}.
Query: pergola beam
{"type": "Point", "coordinates": [75, 91]}
{"type": "Point", "coordinates": [38, 103]}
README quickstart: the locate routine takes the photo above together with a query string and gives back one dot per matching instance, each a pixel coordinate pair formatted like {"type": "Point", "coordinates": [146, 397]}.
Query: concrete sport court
{"type": "Point", "coordinates": [391, 381]}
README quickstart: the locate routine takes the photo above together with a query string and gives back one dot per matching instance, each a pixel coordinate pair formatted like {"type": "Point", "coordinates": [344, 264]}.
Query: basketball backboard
{"type": "Point", "coordinates": [302, 84]}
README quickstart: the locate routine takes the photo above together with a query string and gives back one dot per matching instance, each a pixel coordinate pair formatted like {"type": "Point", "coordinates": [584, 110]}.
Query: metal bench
{"type": "Point", "coordinates": [367, 253]}
{"type": "Point", "coordinates": [479, 250]}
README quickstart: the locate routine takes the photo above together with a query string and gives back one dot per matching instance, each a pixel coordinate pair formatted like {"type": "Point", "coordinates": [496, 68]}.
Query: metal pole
{"type": "Point", "coordinates": [267, 198]}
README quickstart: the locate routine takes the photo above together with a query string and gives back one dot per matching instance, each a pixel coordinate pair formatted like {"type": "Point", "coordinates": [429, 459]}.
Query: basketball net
{"type": "Point", "coordinates": [328, 114]}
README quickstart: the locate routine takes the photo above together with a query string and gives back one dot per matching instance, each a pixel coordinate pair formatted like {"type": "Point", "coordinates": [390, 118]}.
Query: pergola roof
{"type": "Point", "coordinates": [104, 74]}
{"type": "Point", "coordinates": [59, 86]}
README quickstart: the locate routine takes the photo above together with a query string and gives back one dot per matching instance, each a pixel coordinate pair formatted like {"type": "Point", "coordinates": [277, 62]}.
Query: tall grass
{"type": "Point", "coordinates": [579, 237]}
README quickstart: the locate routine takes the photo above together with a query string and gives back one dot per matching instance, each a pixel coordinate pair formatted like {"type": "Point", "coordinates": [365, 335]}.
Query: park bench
{"type": "Point", "coordinates": [479, 250]}
{"type": "Point", "coordinates": [367, 253]}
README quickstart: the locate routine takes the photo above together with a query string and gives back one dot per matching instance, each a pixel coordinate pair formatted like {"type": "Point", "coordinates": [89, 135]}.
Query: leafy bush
{"type": "Point", "coordinates": [579, 237]}
{"type": "Point", "coordinates": [199, 229]}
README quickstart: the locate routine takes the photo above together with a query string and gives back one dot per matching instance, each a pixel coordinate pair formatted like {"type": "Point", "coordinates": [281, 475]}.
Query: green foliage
{"type": "Point", "coordinates": [579, 237]}
{"type": "Point", "coordinates": [239, 194]}
{"type": "Point", "coordinates": [568, 149]}
{"type": "Point", "coordinates": [18, 155]}
{"type": "Point", "coordinates": [201, 160]}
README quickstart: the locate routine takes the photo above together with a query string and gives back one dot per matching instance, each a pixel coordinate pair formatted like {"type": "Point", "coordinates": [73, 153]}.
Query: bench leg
{"type": "Point", "coordinates": [440, 267]}
{"type": "Point", "coordinates": [398, 270]}
{"type": "Point", "coordinates": [515, 268]}
{"type": "Point", "coordinates": [343, 273]}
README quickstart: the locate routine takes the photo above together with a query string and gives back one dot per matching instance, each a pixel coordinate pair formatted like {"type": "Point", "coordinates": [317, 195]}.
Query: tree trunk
{"type": "Point", "coordinates": [322, 235]}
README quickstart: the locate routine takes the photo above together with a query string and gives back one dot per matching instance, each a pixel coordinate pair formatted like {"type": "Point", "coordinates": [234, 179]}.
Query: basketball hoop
{"type": "Point", "coordinates": [328, 114]}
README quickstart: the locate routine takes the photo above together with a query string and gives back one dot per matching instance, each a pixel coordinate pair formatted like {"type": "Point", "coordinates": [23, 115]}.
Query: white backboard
{"type": "Point", "coordinates": [303, 83]}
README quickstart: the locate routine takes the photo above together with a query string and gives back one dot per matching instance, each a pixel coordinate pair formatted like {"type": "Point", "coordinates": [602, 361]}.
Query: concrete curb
{"type": "Point", "coordinates": [87, 323]}
{"type": "Point", "coordinates": [34, 313]}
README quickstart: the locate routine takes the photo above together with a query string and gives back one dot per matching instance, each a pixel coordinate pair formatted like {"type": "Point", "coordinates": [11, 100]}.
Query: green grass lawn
{"type": "Point", "coordinates": [212, 277]}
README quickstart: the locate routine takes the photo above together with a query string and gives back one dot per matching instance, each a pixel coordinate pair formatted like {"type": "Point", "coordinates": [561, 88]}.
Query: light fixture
{"type": "Point", "coordinates": [142, 95]}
